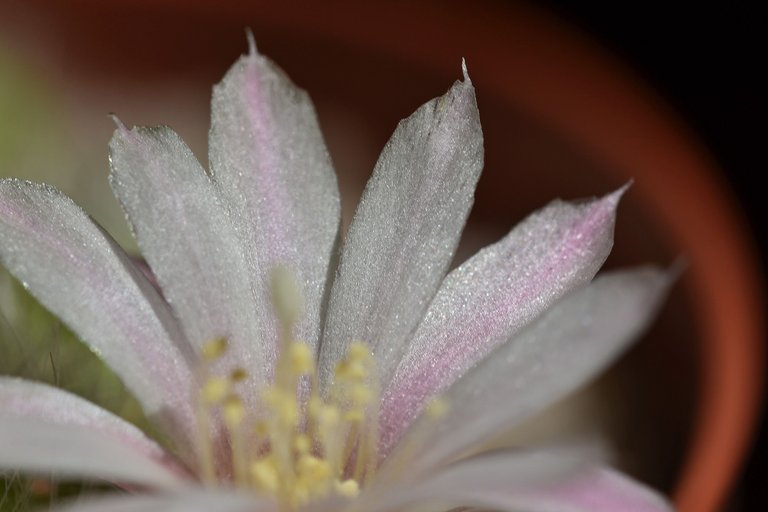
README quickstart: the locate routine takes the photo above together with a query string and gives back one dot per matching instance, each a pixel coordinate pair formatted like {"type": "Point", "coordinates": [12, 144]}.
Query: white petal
{"type": "Point", "coordinates": [187, 238]}
{"type": "Point", "coordinates": [509, 469]}
{"type": "Point", "coordinates": [578, 337]}
{"type": "Point", "coordinates": [485, 301]}
{"type": "Point", "coordinates": [79, 273]}
{"type": "Point", "coordinates": [406, 228]}
{"type": "Point", "coordinates": [46, 430]}
{"type": "Point", "coordinates": [534, 482]}
{"type": "Point", "coordinates": [189, 500]}
{"type": "Point", "coordinates": [271, 166]}
{"type": "Point", "coordinates": [596, 490]}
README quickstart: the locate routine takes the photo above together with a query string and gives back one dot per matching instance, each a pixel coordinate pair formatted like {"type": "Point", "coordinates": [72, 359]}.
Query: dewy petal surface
{"type": "Point", "coordinates": [270, 164]}
{"type": "Point", "coordinates": [406, 228]}
{"type": "Point", "coordinates": [575, 339]}
{"type": "Point", "coordinates": [549, 481]}
{"type": "Point", "coordinates": [46, 430]}
{"type": "Point", "coordinates": [79, 273]}
{"type": "Point", "coordinates": [189, 241]}
{"type": "Point", "coordinates": [489, 298]}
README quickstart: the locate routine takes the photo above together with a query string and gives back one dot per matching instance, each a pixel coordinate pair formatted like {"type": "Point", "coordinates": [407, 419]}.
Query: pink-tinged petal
{"type": "Point", "coordinates": [270, 164]}
{"type": "Point", "coordinates": [47, 430]}
{"type": "Point", "coordinates": [495, 471]}
{"type": "Point", "coordinates": [549, 481]}
{"type": "Point", "coordinates": [559, 352]}
{"type": "Point", "coordinates": [189, 241]}
{"type": "Point", "coordinates": [488, 299]}
{"type": "Point", "coordinates": [406, 229]}
{"type": "Point", "coordinates": [79, 273]}
{"type": "Point", "coordinates": [597, 490]}
{"type": "Point", "coordinates": [188, 500]}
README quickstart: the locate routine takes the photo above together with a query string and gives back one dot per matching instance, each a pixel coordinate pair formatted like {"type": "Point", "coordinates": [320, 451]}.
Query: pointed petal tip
{"type": "Point", "coordinates": [465, 72]}
{"type": "Point", "coordinates": [614, 197]}
{"type": "Point", "coordinates": [252, 51]}
{"type": "Point", "coordinates": [118, 123]}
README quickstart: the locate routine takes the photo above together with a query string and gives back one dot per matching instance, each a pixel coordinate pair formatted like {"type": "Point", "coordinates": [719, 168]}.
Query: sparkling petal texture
{"type": "Point", "coordinates": [485, 301]}
{"type": "Point", "coordinates": [47, 430]}
{"type": "Point", "coordinates": [187, 238]}
{"type": "Point", "coordinates": [406, 229]}
{"type": "Point", "coordinates": [79, 273]}
{"type": "Point", "coordinates": [541, 481]}
{"type": "Point", "coordinates": [272, 169]}
{"type": "Point", "coordinates": [558, 353]}
{"type": "Point", "coordinates": [513, 329]}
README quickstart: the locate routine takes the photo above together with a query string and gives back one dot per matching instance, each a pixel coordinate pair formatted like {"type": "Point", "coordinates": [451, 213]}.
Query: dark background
{"type": "Point", "coordinates": [706, 61]}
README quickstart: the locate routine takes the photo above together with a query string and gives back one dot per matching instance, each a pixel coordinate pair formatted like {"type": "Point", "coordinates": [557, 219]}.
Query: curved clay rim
{"type": "Point", "coordinates": [525, 56]}
{"type": "Point", "coordinates": [621, 124]}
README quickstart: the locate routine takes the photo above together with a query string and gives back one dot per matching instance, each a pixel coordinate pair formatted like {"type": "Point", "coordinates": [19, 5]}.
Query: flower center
{"type": "Point", "coordinates": [304, 444]}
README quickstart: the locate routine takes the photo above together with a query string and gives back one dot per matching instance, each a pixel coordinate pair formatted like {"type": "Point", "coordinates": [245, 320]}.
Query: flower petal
{"type": "Point", "coordinates": [578, 337]}
{"type": "Point", "coordinates": [189, 241]}
{"type": "Point", "coordinates": [189, 500]}
{"type": "Point", "coordinates": [406, 228]}
{"type": "Point", "coordinates": [547, 481]}
{"type": "Point", "coordinates": [271, 166]}
{"type": "Point", "coordinates": [485, 301]}
{"type": "Point", "coordinates": [597, 490]}
{"type": "Point", "coordinates": [79, 273]}
{"type": "Point", "coordinates": [45, 429]}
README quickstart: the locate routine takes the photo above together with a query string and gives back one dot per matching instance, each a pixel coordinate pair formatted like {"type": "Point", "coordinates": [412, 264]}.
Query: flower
{"type": "Point", "coordinates": [281, 379]}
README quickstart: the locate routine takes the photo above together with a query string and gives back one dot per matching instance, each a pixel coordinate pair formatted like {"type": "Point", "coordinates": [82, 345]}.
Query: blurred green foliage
{"type": "Point", "coordinates": [35, 345]}
{"type": "Point", "coordinates": [32, 136]}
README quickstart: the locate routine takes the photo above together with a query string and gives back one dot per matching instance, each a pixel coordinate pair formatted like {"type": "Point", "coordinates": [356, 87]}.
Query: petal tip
{"type": "Point", "coordinates": [614, 197]}
{"type": "Point", "coordinates": [118, 123]}
{"type": "Point", "coordinates": [252, 51]}
{"type": "Point", "coordinates": [465, 72]}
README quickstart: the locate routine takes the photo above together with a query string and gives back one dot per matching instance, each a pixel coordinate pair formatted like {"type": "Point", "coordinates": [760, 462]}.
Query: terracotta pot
{"type": "Point", "coordinates": [561, 118]}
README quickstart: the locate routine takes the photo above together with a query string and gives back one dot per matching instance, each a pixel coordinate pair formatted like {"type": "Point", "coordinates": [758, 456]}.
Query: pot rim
{"type": "Point", "coordinates": [632, 131]}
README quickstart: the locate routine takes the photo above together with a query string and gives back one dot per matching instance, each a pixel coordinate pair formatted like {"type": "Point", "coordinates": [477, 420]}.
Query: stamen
{"type": "Point", "coordinates": [304, 446]}
{"type": "Point", "coordinates": [214, 349]}
{"type": "Point", "coordinates": [233, 417]}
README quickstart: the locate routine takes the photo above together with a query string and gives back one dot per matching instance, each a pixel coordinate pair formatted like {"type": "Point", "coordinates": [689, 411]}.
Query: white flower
{"type": "Point", "coordinates": [401, 372]}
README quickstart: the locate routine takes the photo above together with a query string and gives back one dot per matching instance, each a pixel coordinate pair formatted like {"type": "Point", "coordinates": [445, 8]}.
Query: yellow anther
{"type": "Point", "coordinates": [265, 476]}
{"type": "Point", "coordinates": [354, 416]}
{"type": "Point", "coordinates": [233, 411]}
{"type": "Point", "coordinates": [361, 395]}
{"type": "Point", "coordinates": [328, 416]}
{"type": "Point", "coordinates": [348, 488]}
{"type": "Point", "coordinates": [238, 375]}
{"type": "Point", "coordinates": [351, 370]}
{"type": "Point", "coordinates": [437, 408]}
{"type": "Point", "coordinates": [313, 469]}
{"type": "Point", "coordinates": [215, 390]}
{"type": "Point", "coordinates": [283, 404]}
{"type": "Point", "coordinates": [261, 429]}
{"type": "Point", "coordinates": [214, 349]}
{"type": "Point", "coordinates": [358, 351]}
{"type": "Point", "coordinates": [302, 360]}
{"type": "Point", "coordinates": [302, 443]}
{"type": "Point", "coordinates": [286, 296]}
